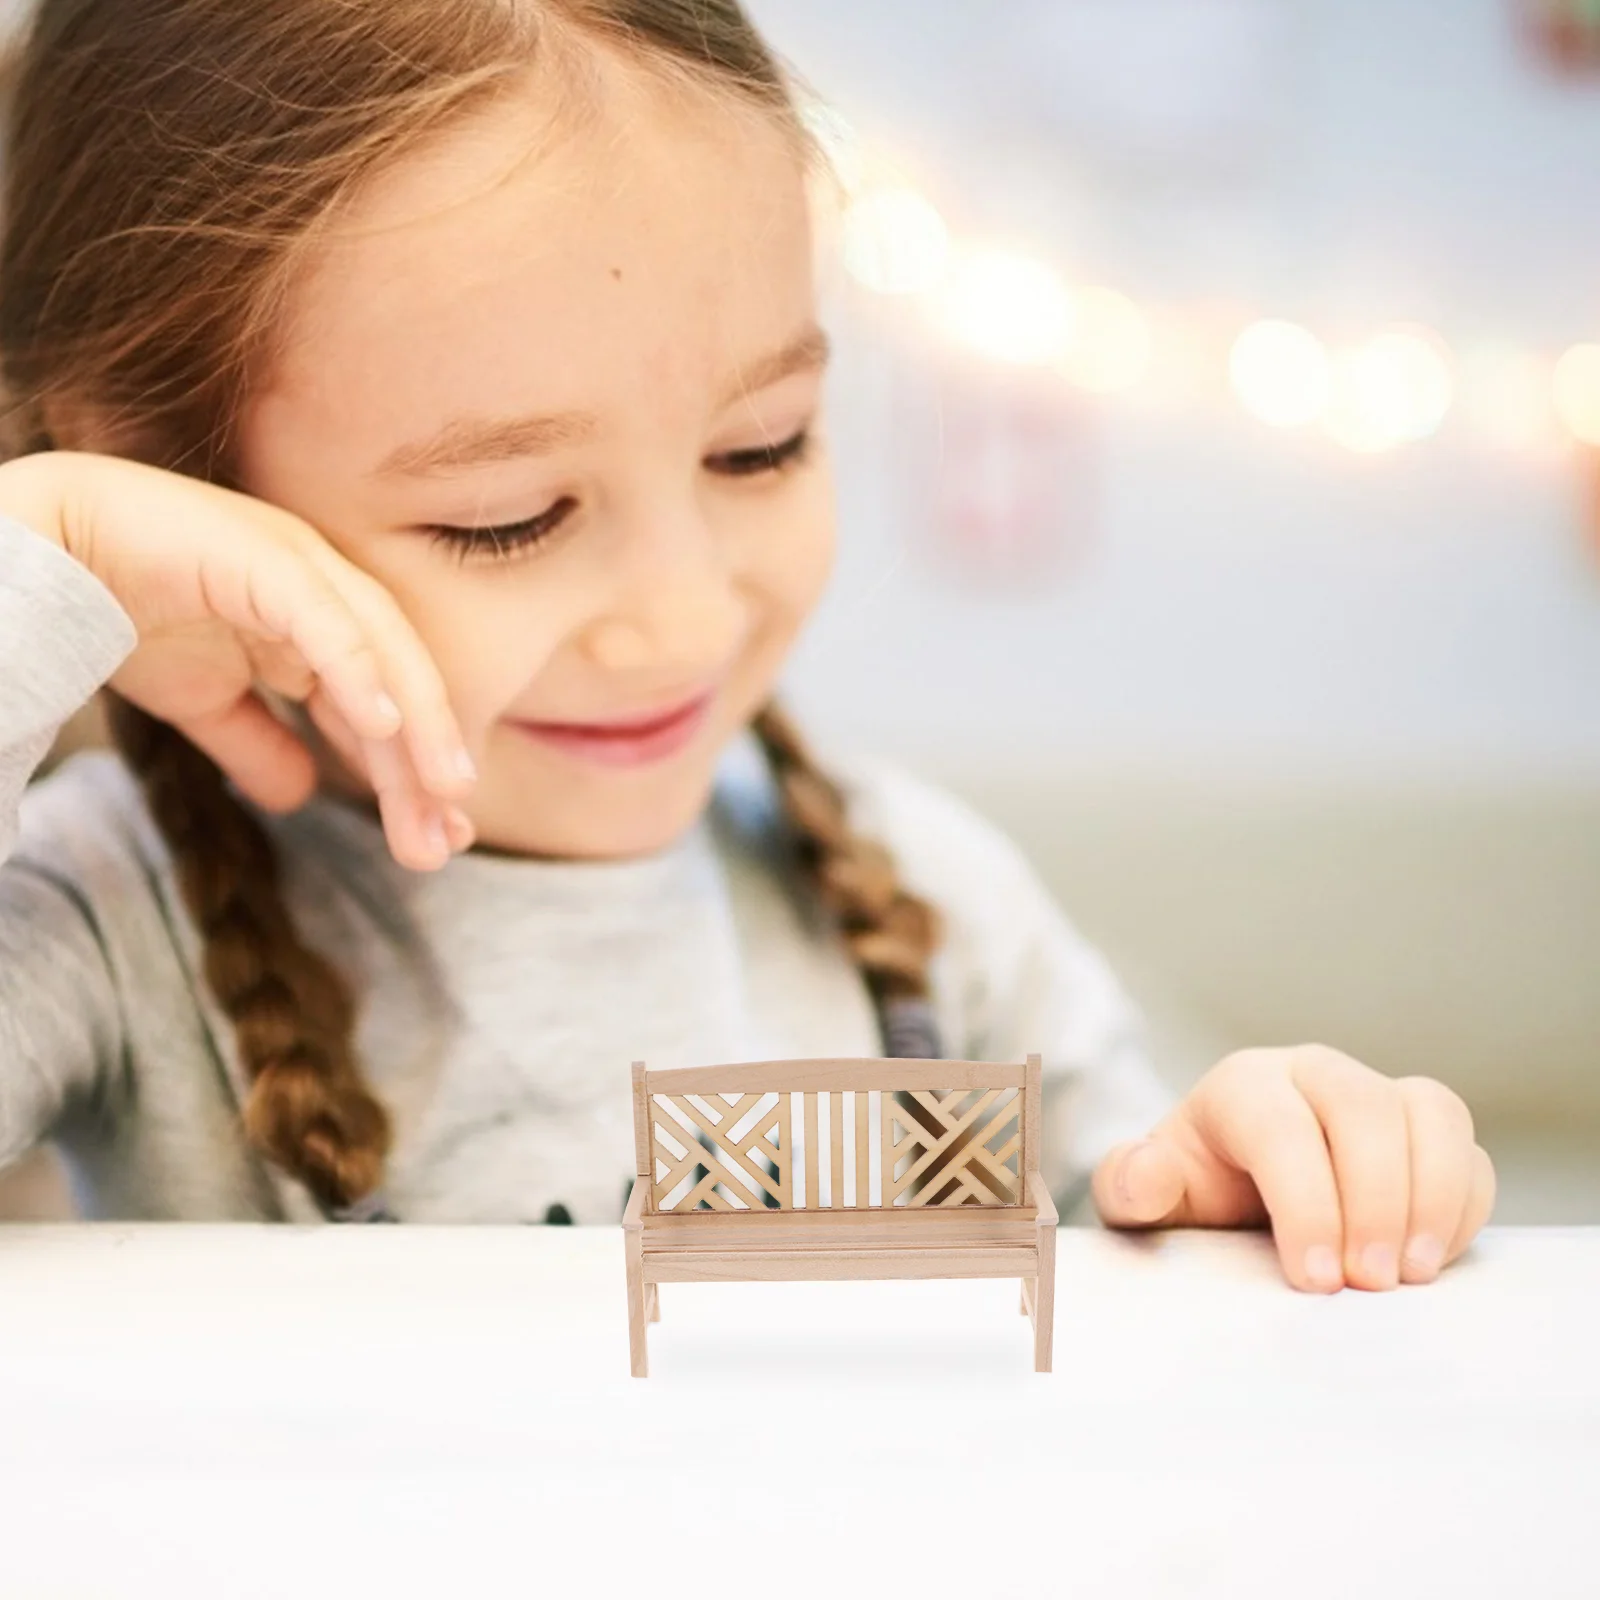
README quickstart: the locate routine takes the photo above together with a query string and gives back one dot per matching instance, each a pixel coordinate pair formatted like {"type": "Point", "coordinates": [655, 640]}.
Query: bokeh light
{"type": "Point", "coordinates": [1577, 392]}
{"type": "Point", "coordinates": [1111, 350]}
{"type": "Point", "coordinates": [1281, 374]}
{"type": "Point", "coordinates": [1507, 396]}
{"type": "Point", "coordinates": [1009, 307]}
{"type": "Point", "coordinates": [1395, 388]}
{"type": "Point", "coordinates": [895, 242]}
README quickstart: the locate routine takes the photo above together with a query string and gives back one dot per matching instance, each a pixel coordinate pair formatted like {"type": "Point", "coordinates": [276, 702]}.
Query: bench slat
{"type": "Point", "coordinates": [794, 1077]}
{"type": "Point", "coordinates": [814, 1266]}
{"type": "Point", "coordinates": [836, 1138]}
{"type": "Point", "coordinates": [843, 1230]}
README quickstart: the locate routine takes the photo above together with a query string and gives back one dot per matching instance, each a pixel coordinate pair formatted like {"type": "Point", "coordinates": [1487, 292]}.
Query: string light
{"type": "Point", "coordinates": [1507, 396]}
{"type": "Point", "coordinates": [1281, 374]}
{"type": "Point", "coordinates": [1577, 392]}
{"type": "Point", "coordinates": [1112, 345]}
{"type": "Point", "coordinates": [895, 242]}
{"type": "Point", "coordinates": [1008, 306]}
{"type": "Point", "coordinates": [1392, 390]}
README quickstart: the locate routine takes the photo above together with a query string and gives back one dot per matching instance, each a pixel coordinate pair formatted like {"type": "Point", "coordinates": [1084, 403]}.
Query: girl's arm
{"type": "Point", "coordinates": [191, 601]}
{"type": "Point", "coordinates": [62, 636]}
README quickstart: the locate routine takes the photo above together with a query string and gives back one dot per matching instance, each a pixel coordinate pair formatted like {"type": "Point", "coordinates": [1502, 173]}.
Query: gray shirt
{"type": "Point", "coordinates": [500, 1001]}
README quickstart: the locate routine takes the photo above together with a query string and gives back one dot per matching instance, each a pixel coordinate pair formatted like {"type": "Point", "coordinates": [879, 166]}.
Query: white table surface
{"type": "Point", "coordinates": [395, 1411]}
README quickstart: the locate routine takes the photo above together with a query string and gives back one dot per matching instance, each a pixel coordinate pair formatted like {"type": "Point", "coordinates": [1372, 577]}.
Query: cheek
{"type": "Point", "coordinates": [491, 632]}
{"type": "Point", "coordinates": [791, 560]}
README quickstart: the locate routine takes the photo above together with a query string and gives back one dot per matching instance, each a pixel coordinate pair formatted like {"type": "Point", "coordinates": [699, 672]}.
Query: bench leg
{"type": "Point", "coordinates": [653, 1301]}
{"type": "Point", "coordinates": [1028, 1285]}
{"type": "Point", "coordinates": [638, 1347]}
{"type": "Point", "coordinates": [1044, 1302]}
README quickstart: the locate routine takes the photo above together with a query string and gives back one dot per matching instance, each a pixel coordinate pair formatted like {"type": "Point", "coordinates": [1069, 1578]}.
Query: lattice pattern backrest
{"type": "Point", "coordinates": [826, 1149]}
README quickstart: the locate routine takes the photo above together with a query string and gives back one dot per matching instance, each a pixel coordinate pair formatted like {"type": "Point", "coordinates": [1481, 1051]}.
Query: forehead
{"type": "Point", "coordinates": [639, 252]}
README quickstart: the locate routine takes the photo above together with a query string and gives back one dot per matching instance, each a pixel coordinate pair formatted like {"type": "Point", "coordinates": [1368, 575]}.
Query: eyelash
{"type": "Point", "coordinates": [512, 538]}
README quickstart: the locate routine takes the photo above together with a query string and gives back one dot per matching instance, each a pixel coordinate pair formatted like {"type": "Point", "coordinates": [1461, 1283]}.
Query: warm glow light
{"type": "Point", "coordinates": [895, 242]}
{"type": "Point", "coordinates": [1577, 392]}
{"type": "Point", "coordinates": [1112, 346]}
{"type": "Point", "coordinates": [1395, 388]}
{"type": "Point", "coordinates": [1507, 395]}
{"type": "Point", "coordinates": [1009, 307]}
{"type": "Point", "coordinates": [1281, 374]}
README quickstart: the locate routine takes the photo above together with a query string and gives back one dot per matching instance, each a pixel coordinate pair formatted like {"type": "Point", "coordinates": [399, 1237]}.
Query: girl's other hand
{"type": "Point", "coordinates": [1366, 1181]}
{"type": "Point", "coordinates": [233, 599]}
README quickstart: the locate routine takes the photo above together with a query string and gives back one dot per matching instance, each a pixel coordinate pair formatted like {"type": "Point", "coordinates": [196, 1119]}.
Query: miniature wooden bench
{"type": "Point", "coordinates": [839, 1169]}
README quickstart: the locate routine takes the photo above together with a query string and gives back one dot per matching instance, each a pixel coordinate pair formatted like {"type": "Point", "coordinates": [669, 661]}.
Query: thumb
{"type": "Point", "coordinates": [1140, 1185]}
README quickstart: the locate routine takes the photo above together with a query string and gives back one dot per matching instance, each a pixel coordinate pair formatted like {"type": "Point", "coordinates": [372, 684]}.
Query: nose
{"type": "Point", "coordinates": [680, 616]}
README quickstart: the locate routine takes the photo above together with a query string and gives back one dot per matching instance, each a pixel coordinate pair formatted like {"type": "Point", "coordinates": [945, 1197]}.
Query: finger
{"type": "Point", "coordinates": [1443, 1163]}
{"type": "Point", "coordinates": [431, 731]}
{"type": "Point", "coordinates": [260, 756]}
{"type": "Point", "coordinates": [286, 599]}
{"type": "Point", "coordinates": [1480, 1204]}
{"type": "Point", "coordinates": [407, 812]}
{"type": "Point", "coordinates": [414, 822]}
{"type": "Point", "coordinates": [1141, 1185]}
{"type": "Point", "coordinates": [461, 829]}
{"type": "Point", "coordinates": [1364, 1121]}
{"type": "Point", "coordinates": [281, 669]}
{"type": "Point", "coordinates": [1266, 1128]}
{"type": "Point", "coordinates": [337, 734]}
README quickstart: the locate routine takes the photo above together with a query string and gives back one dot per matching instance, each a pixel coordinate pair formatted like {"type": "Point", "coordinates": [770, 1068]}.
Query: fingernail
{"type": "Point", "coordinates": [388, 712]}
{"type": "Point", "coordinates": [1322, 1268]}
{"type": "Point", "coordinates": [465, 835]}
{"type": "Point", "coordinates": [1380, 1266]}
{"type": "Point", "coordinates": [438, 838]}
{"type": "Point", "coordinates": [1424, 1256]}
{"type": "Point", "coordinates": [464, 767]}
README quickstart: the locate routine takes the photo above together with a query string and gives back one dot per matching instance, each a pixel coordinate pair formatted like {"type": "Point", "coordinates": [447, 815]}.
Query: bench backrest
{"type": "Point", "coordinates": [837, 1135]}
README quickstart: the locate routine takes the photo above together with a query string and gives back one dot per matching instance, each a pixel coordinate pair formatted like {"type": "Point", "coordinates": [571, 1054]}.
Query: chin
{"type": "Point", "coordinates": [604, 826]}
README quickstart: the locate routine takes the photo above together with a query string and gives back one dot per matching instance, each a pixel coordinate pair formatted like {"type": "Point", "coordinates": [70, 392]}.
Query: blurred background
{"type": "Point", "coordinates": [1218, 421]}
{"type": "Point", "coordinates": [1218, 418]}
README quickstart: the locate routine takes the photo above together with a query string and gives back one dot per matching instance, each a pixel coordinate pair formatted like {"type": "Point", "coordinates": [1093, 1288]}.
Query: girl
{"type": "Point", "coordinates": [417, 424]}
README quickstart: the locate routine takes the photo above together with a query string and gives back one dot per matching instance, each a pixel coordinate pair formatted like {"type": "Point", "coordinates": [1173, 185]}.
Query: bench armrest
{"type": "Point", "coordinates": [1043, 1204]}
{"type": "Point", "coordinates": [633, 1217]}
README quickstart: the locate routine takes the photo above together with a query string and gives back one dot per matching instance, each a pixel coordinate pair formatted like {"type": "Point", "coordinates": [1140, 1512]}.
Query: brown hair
{"type": "Point", "coordinates": [166, 160]}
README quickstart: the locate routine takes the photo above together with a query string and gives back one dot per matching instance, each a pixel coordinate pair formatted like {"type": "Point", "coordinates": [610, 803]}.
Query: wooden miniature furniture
{"type": "Point", "coordinates": [839, 1169]}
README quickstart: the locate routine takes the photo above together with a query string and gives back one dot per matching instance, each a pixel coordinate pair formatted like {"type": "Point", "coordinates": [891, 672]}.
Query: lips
{"type": "Point", "coordinates": [632, 742]}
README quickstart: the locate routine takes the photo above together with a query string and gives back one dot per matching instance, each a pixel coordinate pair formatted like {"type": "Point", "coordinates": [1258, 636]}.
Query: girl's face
{"type": "Point", "coordinates": [559, 390]}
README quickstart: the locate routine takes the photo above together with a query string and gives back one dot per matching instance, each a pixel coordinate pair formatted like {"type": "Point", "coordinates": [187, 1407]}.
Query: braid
{"type": "Point", "coordinates": [891, 933]}
{"type": "Point", "coordinates": [308, 1109]}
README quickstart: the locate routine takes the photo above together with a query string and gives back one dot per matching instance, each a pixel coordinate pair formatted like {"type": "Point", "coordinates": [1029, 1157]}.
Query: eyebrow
{"type": "Point", "coordinates": [468, 442]}
{"type": "Point", "coordinates": [809, 353]}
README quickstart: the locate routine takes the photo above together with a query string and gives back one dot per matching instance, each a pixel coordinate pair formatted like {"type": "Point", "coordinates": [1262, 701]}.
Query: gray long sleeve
{"type": "Point", "coordinates": [62, 635]}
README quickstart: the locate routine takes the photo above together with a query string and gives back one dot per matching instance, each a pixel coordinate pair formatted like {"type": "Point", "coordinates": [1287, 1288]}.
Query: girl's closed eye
{"type": "Point", "coordinates": [514, 538]}
{"type": "Point", "coordinates": [508, 539]}
{"type": "Point", "coordinates": [767, 458]}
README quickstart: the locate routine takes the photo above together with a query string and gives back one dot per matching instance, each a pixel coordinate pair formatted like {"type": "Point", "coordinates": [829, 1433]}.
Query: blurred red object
{"type": "Point", "coordinates": [1010, 495]}
{"type": "Point", "coordinates": [1565, 34]}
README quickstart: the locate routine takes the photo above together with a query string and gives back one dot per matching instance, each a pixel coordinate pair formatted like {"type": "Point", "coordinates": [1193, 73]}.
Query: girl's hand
{"type": "Point", "coordinates": [232, 597]}
{"type": "Point", "coordinates": [1365, 1180]}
